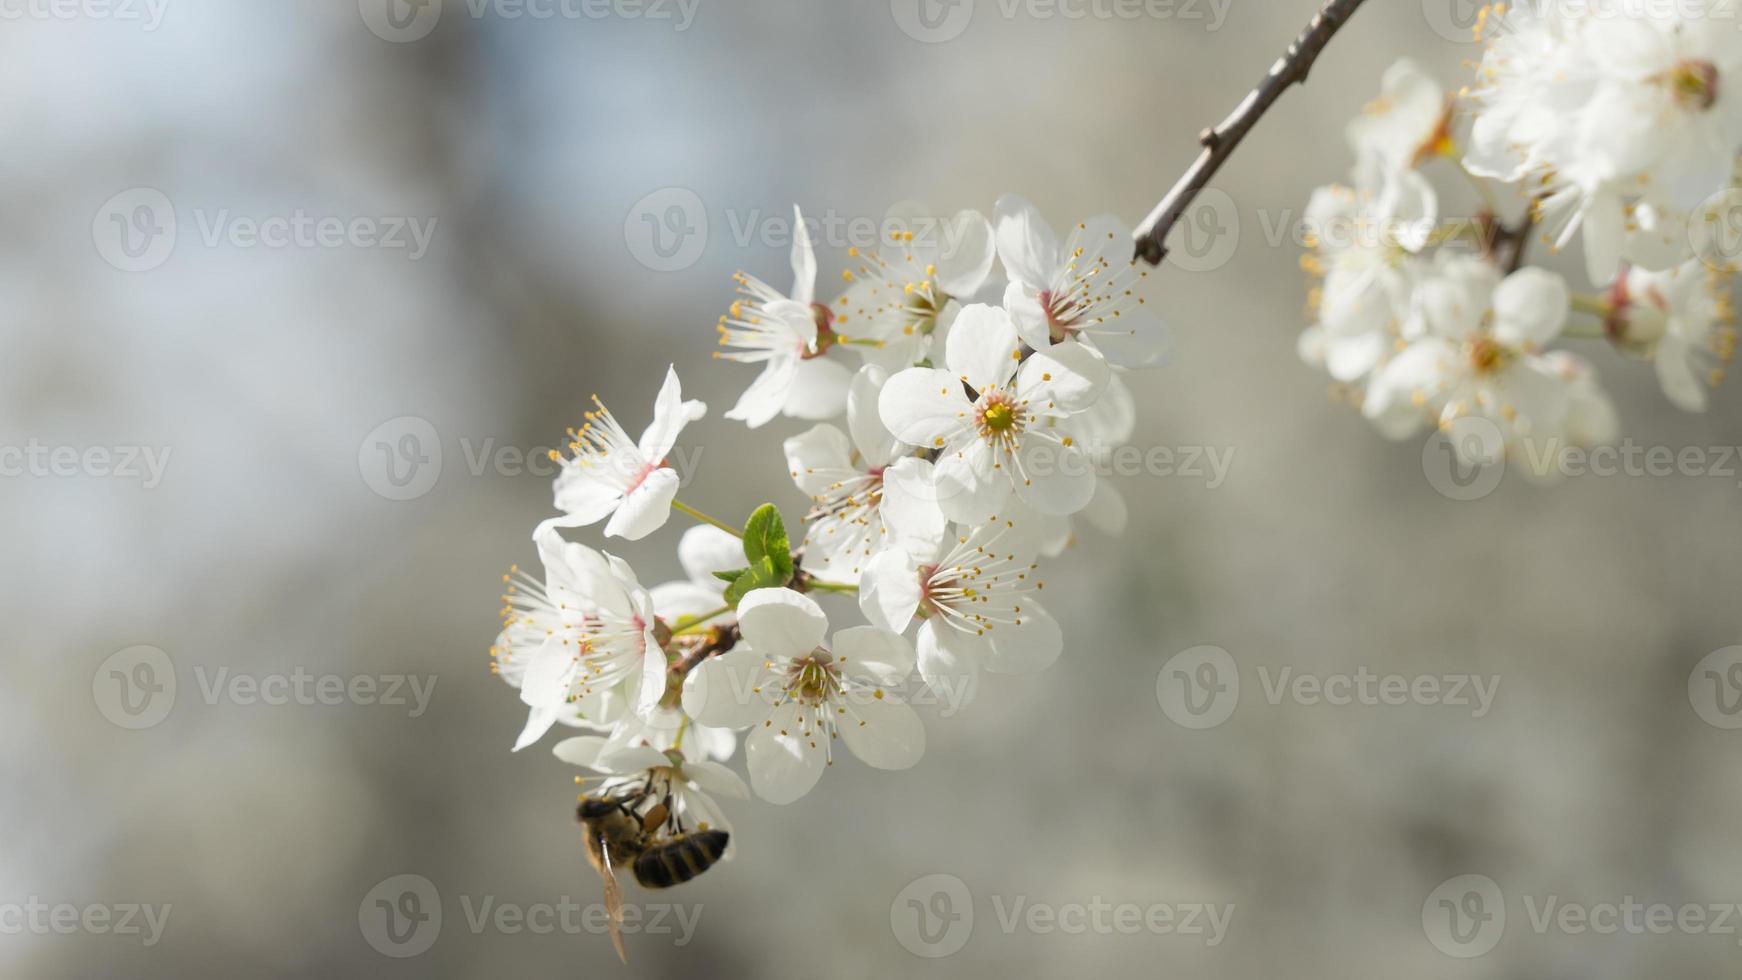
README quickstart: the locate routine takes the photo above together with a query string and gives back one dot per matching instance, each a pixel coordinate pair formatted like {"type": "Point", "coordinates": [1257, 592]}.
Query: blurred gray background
{"type": "Point", "coordinates": [268, 548]}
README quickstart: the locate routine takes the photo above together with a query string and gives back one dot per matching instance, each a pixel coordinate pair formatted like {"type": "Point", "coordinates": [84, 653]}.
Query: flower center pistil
{"type": "Point", "coordinates": [1488, 355]}
{"type": "Point", "coordinates": [1694, 82]}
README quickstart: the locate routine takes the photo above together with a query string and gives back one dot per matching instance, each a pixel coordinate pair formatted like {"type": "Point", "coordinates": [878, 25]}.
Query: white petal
{"type": "Point", "coordinates": [649, 686]}
{"type": "Point", "coordinates": [884, 734]}
{"type": "Point", "coordinates": [1032, 646]}
{"type": "Point", "coordinates": [1068, 378]}
{"type": "Point", "coordinates": [804, 260]}
{"type": "Point", "coordinates": [647, 507]}
{"type": "Point", "coordinates": [686, 600]}
{"type": "Point", "coordinates": [704, 550]}
{"type": "Point", "coordinates": [1530, 307]}
{"type": "Point", "coordinates": [786, 758]}
{"type": "Point", "coordinates": [910, 508]}
{"type": "Point", "coordinates": [581, 750]}
{"type": "Point", "coordinates": [766, 395]}
{"type": "Point", "coordinates": [1055, 478]}
{"type": "Point", "coordinates": [716, 779]}
{"type": "Point", "coordinates": [670, 414]}
{"type": "Point", "coordinates": [1026, 243]}
{"type": "Point", "coordinates": [1032, 325]}
{"type": "Point", "coordinates": [870, 436]}
{"type": "Point", "coordinates": [722, 692]}
{"type": "Point", "coordinates": [630, 758]}
{"type": "Point", "coordinates": [923, 405]}
{"type": "Point", "coordinates": [968, 490]}
{"type": "Point", "coordinates": [889, 589]}
{"type": "Point", "coordinates": [949, 661]}
{"type": "Point", "coordinates": [538, 721]}
{"type": "Point", "coordinates": [819, 458]}
{"type": "Point", "coordinates": [585, 494]}
{"type": "Point", "coordinates": [1135, 340]}
{"type": "Point", "coordinates": [873, 654]}
{"type": "Point", "coordinates": [548, 675]}
{"type": "Point", "coordinates": [819, 389]}
{"type": "Point", "coordinates": [781, 623]}
{"type": "Point", "coordinates": [965, 260]}
{"type": "Point", "coordinates": [982, 348]}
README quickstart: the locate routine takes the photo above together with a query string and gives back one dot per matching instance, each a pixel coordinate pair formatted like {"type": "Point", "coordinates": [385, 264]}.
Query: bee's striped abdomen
{"type": "Point", "coordinates": [679, 859]}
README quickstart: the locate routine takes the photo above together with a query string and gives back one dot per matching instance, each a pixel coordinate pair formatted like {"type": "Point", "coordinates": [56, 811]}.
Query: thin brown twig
{"type": "Point", "coordinates": [1219, 142]}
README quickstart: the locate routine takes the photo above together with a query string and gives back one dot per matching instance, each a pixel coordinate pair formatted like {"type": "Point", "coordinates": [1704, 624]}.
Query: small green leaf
{"type": "Point", "coordinates": [731, 576]}
{"type": "Point", "coordinates": [760, 575]}
{"type": "Point", "coordinates": [765, 538]}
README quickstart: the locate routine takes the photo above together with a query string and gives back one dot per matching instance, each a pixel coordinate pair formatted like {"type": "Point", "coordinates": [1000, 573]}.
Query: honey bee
{"type": "Point", "coordinates": [653, 842]}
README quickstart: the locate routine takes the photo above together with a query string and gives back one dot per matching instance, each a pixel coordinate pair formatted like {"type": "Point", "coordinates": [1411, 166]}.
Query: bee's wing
{"type": "Point", "coordinates": [613, 901]}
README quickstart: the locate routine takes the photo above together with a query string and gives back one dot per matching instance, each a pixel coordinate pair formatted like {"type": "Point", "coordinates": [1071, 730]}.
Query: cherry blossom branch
{"type": "Point", "coordinates": [684, 508]}
{"type": "Point", "coordinates": [1219, 142]}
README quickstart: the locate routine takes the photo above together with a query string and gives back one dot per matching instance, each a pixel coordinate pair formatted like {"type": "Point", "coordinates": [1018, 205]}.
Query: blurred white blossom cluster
{"type": "Point", "coordinates": [957, 417]}
{"type": "Point", "coordinates": [1616, 122]}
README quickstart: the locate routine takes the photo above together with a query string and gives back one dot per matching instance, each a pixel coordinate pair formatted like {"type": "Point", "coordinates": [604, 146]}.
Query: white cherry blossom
{"type": "Point", "coordinates": [1408, 123]}
{"type": "Point", "coordinates": [998, 422]}
{"type": "Point", "coordinates": [1085, 289]}
{"type": "Point", "coordinates": [797, 695]}
{"type": "Point", "coordinates": [599, 629]}
{"type": "Point", "coordinates": [610, 475]}
{"type": "Point", "coordinates": [855, 483]}
{"type": "Point", "coordinates": [1682, 319]}
{"type": "Point", "coordinates": [790, 337]}
{"type": "Point", "coordinates": [902, 297]}
{"type": "Point", "coordinates": [976, 594]}
{"type": "Point", "coordinates": [1490, 368]}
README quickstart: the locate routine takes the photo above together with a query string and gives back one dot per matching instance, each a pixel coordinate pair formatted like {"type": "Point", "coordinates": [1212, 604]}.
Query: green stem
{"type": "Point", "coordinates": [833, 587]}
{"type": "Point", "coordinates": [1594, 305]}
{"type": "Point", "coordinates": [691, 625]}
{"type": "Point", "coordinates": [705, 519]}
{"type": "Point", "coordinates": [683, 725]}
